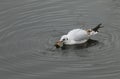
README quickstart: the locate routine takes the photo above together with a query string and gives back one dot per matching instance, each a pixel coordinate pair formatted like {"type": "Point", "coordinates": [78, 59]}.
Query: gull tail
{"type": "Point", "coordinates": [97, 27]}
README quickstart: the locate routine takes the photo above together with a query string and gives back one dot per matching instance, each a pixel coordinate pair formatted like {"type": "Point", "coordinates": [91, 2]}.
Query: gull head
{"type": "Point", "coordinates": [61, 42]}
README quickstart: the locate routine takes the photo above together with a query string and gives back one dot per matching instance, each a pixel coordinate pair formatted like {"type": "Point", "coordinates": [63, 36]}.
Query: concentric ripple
{"type": "Point", "coordinates": [30, 28]}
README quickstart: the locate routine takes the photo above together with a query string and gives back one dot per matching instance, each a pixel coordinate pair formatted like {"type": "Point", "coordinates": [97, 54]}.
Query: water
{"type": "Point", "coordinates": [29, 29]}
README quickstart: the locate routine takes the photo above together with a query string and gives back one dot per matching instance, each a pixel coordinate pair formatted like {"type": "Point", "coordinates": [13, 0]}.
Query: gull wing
{"type": "Point", "coordinates": [78, 35]}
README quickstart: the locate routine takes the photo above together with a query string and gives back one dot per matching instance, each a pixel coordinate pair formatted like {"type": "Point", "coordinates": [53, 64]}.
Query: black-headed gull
{"type": "Point", "coordinates": [77, 36]}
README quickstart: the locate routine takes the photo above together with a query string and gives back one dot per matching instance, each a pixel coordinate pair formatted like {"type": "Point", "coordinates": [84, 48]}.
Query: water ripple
{"type": "Point", "coordinates": [29, 30]}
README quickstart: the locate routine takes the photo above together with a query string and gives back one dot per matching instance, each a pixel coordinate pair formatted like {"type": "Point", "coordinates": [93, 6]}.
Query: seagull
{"type": "Point", "coordinates": [77, 36]}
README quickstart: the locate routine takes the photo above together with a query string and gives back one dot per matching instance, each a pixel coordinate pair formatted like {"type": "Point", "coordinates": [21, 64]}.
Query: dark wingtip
{"type": "Point", "coordinates": [97, 27]}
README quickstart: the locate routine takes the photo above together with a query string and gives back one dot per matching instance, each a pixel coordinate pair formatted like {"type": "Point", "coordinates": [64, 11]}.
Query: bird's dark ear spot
{"type": "Point", "coordinates": [63, 39]}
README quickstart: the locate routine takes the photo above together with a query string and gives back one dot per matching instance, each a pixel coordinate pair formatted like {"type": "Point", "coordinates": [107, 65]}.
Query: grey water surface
{"type": "Point", "coordinates": [29, 29]}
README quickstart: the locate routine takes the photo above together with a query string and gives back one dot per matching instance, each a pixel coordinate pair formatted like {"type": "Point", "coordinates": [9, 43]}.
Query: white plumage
{"type": "Point", "coordinates": [77, 36]}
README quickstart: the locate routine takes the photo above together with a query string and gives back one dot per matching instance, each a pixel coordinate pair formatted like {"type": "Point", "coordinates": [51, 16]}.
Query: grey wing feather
{"type": "Point", "coordinates": [78, 34]}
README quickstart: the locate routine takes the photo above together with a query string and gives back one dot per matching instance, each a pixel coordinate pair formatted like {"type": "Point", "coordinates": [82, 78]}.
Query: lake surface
{"type": "Point", "coordinates": [29, 29]}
